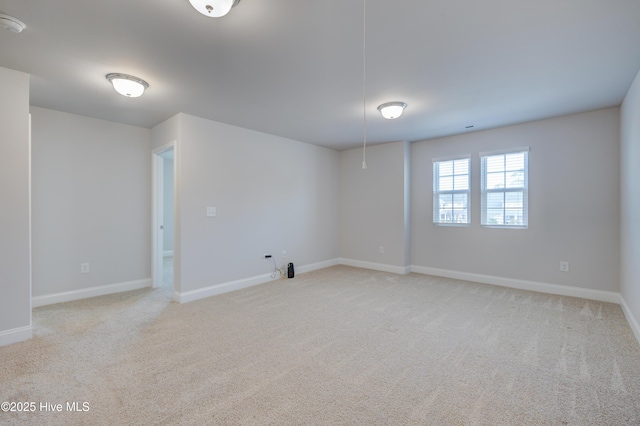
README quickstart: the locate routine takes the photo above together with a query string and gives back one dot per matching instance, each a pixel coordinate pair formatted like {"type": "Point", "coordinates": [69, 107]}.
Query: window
{"type": "Point", "coordinates": [504, 188]}
{"type": "Point", "coordinates": [451, 191]}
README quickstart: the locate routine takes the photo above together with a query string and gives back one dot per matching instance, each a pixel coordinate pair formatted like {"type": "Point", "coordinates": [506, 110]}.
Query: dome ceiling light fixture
{"type": "Point", "coordinates": [213, 8]}
{"type": "Point", "coordinates": [12, 24]}
{"type": "Point", "coordinates": [392, 110]}
{"type": "Point", "coordinates": [127, 85]}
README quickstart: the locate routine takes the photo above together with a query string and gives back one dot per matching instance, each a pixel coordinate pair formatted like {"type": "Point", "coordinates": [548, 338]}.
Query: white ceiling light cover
{"type": "Point", "coordinates": [127, 85]}
{"type": "Point", "coordinates": [391, 110]}
{"type": "Point", "coordinates": [213, 8]}
{"type": "Point", "coordinates": [12, 24]}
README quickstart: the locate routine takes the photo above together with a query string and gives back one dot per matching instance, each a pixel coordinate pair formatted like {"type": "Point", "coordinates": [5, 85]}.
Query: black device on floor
{"type": "Point", "coordinates": [290, 273]}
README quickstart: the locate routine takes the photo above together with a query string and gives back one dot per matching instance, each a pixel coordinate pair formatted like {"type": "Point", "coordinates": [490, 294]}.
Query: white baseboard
{"type": "Point", "coordinates": [561, 290]}
{"type": "Point", "coordinates": [85, 293]}
{"type": "Point", "coordinates": [167, 253]}
{"type": "Point", "coordinates": [633, 322]}
{"type": "Point", "coordinates": [403, 270]}
{"type": "Point", "coordinates": [15, 335]}
{"type": "Point", "coordinates": [214, 290]}
{"type": "Point", "coordinates": [315, 266]}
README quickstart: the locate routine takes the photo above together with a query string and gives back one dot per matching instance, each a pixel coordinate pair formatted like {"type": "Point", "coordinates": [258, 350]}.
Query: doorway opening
{"type": "Point", "coordinates": [163, 218]}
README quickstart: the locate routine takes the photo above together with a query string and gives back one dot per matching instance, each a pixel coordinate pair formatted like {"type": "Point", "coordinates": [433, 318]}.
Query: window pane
{"type": "Point", "coordinates": [514, 161]}
{"type": "Point", "coordinates": [515, 179]}
{"type": "Point", "coordinates": [460, 204]}
{"type": "Point", "coordinates": [461, 167]}
{"type": "Point", "coordinates": [495, 163]}
{"type": "Point", "coordinates": [513, 200]}
{"type": "Point", "coordinates": [446, 201]}
{"type": "Point", "coordinates": [495, 217]}
{"type": "Point", "coordinates": [495, 200]}
{"type": "Point", "coordinates": [461, 183]}
{"type": "Point", "coordinates": [460, 216]}
{"type": "Point", "coordinates": [513, 217]}
{"type": "Point", "coordinates": [446, 184]}
{"type": "Point", "coordinates": [495, 180]}
{"type": "Point", "coordinates": [460, 201]}
{"type": "Point", "coordinates": [445, 168]}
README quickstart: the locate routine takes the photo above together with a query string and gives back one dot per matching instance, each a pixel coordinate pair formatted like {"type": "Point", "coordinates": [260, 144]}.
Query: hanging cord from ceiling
{"type": "Point", "coordinates": [364, 83]}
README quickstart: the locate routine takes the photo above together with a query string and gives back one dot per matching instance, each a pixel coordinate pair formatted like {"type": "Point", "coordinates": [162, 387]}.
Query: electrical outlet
{"type": "Point", "coordinates": [564, 266]}
{"type": "Point", "coordinates": [211, 212]}
{"type": "Point", "coordinates": [84, 268]}
{"type": "Point", "coordinates": [381, 249]}
{"type": "Point", "coordinates": [284, 253]}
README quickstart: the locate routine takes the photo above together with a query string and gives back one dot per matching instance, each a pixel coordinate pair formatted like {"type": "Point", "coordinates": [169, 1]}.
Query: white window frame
{"type": "Point", "coordinates": [436, 217]}
{"type": "Point", "coordinates": [524, 189]}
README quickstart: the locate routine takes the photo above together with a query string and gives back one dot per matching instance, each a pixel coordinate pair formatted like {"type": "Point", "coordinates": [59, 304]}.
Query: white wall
{"type": "Point", "coordinates": [15, 286]}
{"type": "Point", "coordinates": [166, 132]}
{"type": "Point", "coordinates": [630, 202]}
{"type": "Point", "coordinates": [573, 204]}
{"type": "Point", "coordinates": [91, 203]}
{"type": "Point", "coordinates": [271, 194]}
{"type": "Point", "coordinates": [374, 206]}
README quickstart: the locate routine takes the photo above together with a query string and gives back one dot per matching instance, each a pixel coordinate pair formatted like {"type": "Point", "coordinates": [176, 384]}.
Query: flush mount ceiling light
{"type": "Point", "coordinates": [12, 24]}
{"type": "Point", "coordinates": [213, 8]}
{"type": "Point", "coordinates": [391, 110]}
{"type": "Point", "coordinates": [127, 85]}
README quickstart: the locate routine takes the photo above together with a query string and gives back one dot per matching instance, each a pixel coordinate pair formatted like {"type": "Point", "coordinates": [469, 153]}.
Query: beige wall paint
{"type": "Point", "coordinates": [91, 202]}
{"type": "Point", "coordinates": [573, 204]}
{"type": "Point", "coordinates": [630, 199]}
{"type": "Point", "coordinates": [15, 285]}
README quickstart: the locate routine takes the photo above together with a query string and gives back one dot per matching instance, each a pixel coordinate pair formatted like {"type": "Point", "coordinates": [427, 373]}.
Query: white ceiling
{"type": "Point", "coordinates": [293, 68]}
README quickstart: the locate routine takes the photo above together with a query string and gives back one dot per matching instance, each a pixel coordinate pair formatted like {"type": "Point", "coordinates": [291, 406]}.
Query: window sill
{"type": "Point", "coordinates": [505, 226]}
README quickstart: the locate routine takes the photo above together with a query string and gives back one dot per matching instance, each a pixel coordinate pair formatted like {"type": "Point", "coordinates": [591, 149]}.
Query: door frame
{"type": "Point", "coordinates": [157, 222]}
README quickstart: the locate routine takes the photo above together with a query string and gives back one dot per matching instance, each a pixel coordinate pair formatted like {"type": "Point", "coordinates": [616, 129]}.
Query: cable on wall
{"type": "Point", "coordinates": [276, 271]}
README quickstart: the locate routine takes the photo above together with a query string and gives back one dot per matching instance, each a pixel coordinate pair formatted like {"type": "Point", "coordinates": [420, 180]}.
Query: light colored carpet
{"type": "Point", "coordinates": [167, 273]}
{"type": "Point", "coordinates": [339, 346]}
